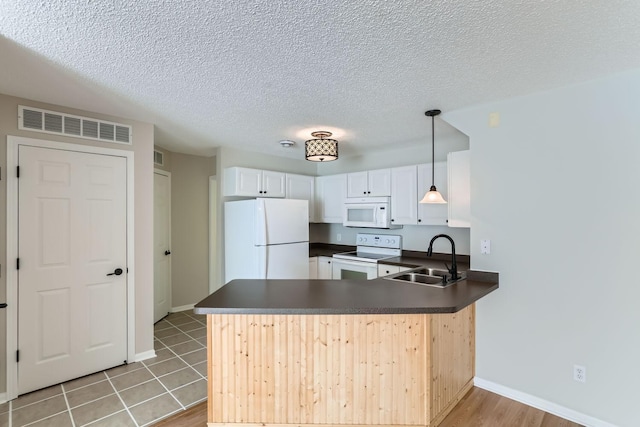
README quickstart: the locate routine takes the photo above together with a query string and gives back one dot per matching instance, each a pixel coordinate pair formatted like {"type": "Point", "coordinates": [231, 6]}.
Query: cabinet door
{"type": "Point", "coordinates": [357, 184]}
{"type": "Point", "coordinates": [243, 182]}
{"type": "Point", "coordinates": [404, 195]}
{"type": "Point", "coordinates": [302, 187]}
{"type": "Point", "coordinates": [459, 169]}
{"type": "Point", "coordinates": [273, 184]}
{"type": "Point", "coordinates": [313, 267]}
{"type": "Point", "coordinates": [432, 213]}
{"type": "Point", "coordinates": [330, 193]}
{"type": "Point", "coordinates": [324, 267]}
{"type": "Point", "coordinates": [379, 182]}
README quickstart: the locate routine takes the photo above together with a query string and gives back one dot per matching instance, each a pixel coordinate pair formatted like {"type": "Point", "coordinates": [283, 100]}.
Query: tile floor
{"type": "Point", "coordinates": [138, 394]}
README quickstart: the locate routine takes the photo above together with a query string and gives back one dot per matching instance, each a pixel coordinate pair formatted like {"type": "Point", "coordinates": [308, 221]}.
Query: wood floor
{"type": "Point", "coordinates": [479, 408]}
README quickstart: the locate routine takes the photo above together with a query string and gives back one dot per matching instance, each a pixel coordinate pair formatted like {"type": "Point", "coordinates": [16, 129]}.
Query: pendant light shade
{"type": "Point", "coordinates": [433, 195]}
{"type": "Point", "coordinates": [322, 148]}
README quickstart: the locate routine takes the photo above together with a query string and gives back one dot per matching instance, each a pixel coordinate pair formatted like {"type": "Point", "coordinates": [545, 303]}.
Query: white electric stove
{"type": "Point", "coordinates": [363, 262]}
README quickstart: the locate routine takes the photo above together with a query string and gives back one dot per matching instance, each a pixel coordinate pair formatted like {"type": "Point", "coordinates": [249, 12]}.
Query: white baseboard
{"type": "Point", "coordinates": [182, 308]}
{"type": "Point", "coordinates": [139, 357]}
{"type": "Point", "coordinates": [538, 403]}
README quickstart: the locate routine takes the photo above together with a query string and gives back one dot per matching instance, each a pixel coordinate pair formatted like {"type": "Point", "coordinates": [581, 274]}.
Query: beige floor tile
{"type": "Point", "coordinates": [42, 409]}
{"type": "Point", "coordinates": [194, 357]}
{"type": "Point", "coordinates": [131, 379]}
{"type": "Point", "coordinates": [167, 366]}
{"type": "Point", "coordinates": [4, 419]}
{"type": "Point", "coordinates": [180, 378]}
{"type": "Point", "coordinates": [121, 419]}
{"type": "Point", "coordinates": [161, 355]}
{"type": "Point", "coordinates": [198, 333]}
{"type": "Point", "coordinates": [36, 396]}
{"type": "Point", "coordinates": [162, 325]}
{"type": "Point", "coordinates": [186, 347]}
{"type": "Point", "coordinates": [166, 332]}
{"type": "Point", "coordinates": [142, 392]}
{"type": "Point", "coordinates": [91, 392]}
{"type": "Point", "coordinates": [202, 341]}
{"type": "Point", "coordinates": [60, 420]}
{"type": "Point", "coordinates": [177, 321]}
{"type": "Point", "coordinates": [96, 410]}
{"type": "Point", "coordinates": [186, 327]}
{"type": "Point", "coordinates": [83, 381]}
{"type": "Point", "coordinates": [202, 368]}
{"type": "Point", "coordinates": [157, 345]}
{"type": "Point", "coordinates": [114, 372]}
{"type": "Point", "coordinates": [175, 339]}
{"type": "Point", "coordinates": [155, 409]}
{"type": "Point", "coordinates": [191, 393]}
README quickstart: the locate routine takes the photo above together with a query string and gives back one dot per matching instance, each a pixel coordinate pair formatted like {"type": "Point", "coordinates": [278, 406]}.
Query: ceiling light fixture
{"type": "Point", "coordinates": [322, 148]}
{"type": "Point", "coordinates": [433, 195]}
{"type": "Point", "coordinates": [287, 143]}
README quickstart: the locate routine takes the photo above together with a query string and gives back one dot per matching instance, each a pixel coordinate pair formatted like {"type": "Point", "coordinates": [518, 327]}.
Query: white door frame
{"type": "Point", "coordinates": [13, 143]}
{"type": "Point", "coordinates": [168, 175]}
{"type": "Point", "coordinates": [214, 272]}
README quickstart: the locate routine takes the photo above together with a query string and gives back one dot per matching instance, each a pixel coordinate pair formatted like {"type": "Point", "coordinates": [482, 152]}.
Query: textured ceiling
{"type": "Point", "coordinates": [250, 73]}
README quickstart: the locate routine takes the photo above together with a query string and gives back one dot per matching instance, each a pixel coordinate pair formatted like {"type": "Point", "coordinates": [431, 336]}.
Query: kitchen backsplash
{"type": "Point", "coordinates": [414, 237]}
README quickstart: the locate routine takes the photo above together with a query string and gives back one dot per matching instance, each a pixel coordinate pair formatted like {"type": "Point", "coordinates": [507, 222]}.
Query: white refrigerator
{"type": "Point", "coordinates": [266, 239]}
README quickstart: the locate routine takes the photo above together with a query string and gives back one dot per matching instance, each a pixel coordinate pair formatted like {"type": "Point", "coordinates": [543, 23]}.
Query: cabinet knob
{"type": "Point", "coordinates": [419, 220]}
{"type": "Point", "coordinates": [392, 219]}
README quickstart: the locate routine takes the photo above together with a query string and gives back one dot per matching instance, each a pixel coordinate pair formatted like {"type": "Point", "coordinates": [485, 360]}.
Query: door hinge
{"type": "Point", "coordinates": [17, 356]}
{"type": "Point", "coordinates": [18, 264]}
{"type": "Point", "coordinates": [18, 171]}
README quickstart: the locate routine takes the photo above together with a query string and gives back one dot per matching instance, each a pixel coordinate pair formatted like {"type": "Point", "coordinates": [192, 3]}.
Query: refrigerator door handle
{"type": "Point", "coordinates": [262, 261]}
{"type": "Point", "coordinates": [261, 223]}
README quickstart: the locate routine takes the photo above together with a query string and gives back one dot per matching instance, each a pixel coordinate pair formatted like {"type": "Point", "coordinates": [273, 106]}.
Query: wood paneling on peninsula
{"type": "Point", "coordinates": [369, 369]}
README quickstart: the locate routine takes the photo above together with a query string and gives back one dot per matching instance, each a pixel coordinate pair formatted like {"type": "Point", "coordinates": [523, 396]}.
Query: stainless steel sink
{"type": "Point", "coordinates": [435, 277]}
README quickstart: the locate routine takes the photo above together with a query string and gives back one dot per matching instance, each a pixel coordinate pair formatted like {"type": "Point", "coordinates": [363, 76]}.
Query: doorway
{"type": "Point", "coordinates": [161, 244]}
{"type": "Point", "coordinates": [70, 295]}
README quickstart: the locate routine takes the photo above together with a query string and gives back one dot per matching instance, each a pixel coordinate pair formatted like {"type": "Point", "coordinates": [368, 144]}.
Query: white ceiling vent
{"type": "Point", "coordinates": [39, 120]}
{"type": "Point", "coordinates": [158, 158]}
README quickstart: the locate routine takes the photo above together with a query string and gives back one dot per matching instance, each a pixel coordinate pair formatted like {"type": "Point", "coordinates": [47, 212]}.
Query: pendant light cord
{"type": "Point", "coordinates": [433, 151]}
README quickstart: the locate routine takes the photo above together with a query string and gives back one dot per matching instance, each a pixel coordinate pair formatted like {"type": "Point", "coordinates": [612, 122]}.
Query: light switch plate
{"type": "Point", "coordinates": [485, 246]}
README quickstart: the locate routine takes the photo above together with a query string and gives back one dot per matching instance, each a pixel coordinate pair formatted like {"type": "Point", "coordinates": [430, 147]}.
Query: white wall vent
{"type": "Point", "coordinates": [158, 158]}
{"type": "Point", "coordinates": [39, 120]}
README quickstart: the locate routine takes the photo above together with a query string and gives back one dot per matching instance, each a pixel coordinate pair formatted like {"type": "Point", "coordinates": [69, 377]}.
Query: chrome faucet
{"type": "Point", "coordinates": [454, 267]}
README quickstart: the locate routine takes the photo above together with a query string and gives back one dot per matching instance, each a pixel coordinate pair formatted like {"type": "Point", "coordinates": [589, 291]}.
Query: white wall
{"type": "Point", "coordinates": [555, 189]}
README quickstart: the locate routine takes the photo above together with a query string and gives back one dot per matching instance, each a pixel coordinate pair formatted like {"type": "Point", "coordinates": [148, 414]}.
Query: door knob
{"type": "Point", "coordinates": [116, 272]}
{"type": "Point", "coordinates": [167, 252]}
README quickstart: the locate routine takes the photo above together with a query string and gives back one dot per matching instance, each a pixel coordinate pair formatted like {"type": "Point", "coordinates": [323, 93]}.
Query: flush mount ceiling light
{"type": "Point", "coordinates": [287, 143]}
{"type": "Point", "coordinates": [433, 195]}
{"type": "Point", "coordinates": [322, 148]}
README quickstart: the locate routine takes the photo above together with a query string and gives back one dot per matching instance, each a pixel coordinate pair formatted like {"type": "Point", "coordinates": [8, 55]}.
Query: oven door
{"type": "Point", "coordinates": [353, 270]}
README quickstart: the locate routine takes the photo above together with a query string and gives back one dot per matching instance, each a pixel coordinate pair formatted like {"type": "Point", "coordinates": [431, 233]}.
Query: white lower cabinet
{"type": "Point", "coordinates": [313, 267]}
{"type": "Point", "coordinates": [387, 269]}
{"type": "Point", "coordinates": [324, 267]}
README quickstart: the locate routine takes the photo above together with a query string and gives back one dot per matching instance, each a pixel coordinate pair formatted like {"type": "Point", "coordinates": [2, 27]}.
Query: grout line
{"type": "Point", "coordinates": [126, 407]}
{"type": "Point", "coordinates": [107, 416]}
{"type": "Point", "coordinates": [163, 417]}
{"type": "Point", "coordinates": [165, 387]}
{"type": "Point", "coordinates": [184, 361]}
{"type": "Point", "coordinates": [48, 416]}
{"type": "Point", "coordinates": [66, 401]}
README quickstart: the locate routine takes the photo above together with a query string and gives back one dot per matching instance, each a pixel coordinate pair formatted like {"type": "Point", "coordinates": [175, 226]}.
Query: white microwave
{"type": "Point", "coordinates": [367, 212]}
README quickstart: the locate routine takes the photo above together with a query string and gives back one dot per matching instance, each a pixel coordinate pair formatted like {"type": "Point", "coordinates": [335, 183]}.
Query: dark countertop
{"type": "Point", "coordinates": [377, 296]}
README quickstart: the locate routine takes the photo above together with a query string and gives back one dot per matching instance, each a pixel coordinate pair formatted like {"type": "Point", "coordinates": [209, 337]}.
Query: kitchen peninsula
{"type": "Point", "coordinates": [340, 352]}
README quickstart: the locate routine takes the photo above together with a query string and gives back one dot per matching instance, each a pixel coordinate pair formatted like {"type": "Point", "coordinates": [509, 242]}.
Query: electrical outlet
{"type": "Point", "coordinates": [339, 237]}
{"type": "Point", "coordinates": [580, 373]}
{"type": "Point", "coordinates": [485, 246]}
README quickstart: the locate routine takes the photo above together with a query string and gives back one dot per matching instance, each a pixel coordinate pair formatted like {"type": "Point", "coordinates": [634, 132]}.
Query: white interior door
{"type": "Point", "coordinates": [161, 244]}
{"type": "Point", "coordinates": [72, 238]}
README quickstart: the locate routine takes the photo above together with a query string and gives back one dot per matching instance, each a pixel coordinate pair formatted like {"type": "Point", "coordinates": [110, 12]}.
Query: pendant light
{"type": "Point", "coordinates": [433, 195]}
{"type": "Point", "coordinates": [321, 148]}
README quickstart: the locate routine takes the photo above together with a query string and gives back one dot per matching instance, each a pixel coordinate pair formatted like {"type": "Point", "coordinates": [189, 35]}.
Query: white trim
{"type": "Point", "coordinates": [538, 403]}
{"type": "Point", "coordinates": [182, 308]}
{"type": "Point", "coordinates": [3, 398]}
{"type": "Point", "coordinates": [139, 357]}
{"type": "Point", "coordinates": [214, 283]}
{"type": "Point", "coordinates": [168, 175]}
{"type": "Point", "coordinates": [13, 143]}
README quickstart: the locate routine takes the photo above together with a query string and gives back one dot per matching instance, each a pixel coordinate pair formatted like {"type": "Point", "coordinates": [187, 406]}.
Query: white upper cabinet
{"type": "Point", "coordinates": [432, 213]}
{"type": "Point", "coordinates": [369, 183]}
{"type": "Point", "coordinates": [330, 194]}
{"type": "Point", "coordinates": [404, 195]}
{"type": "Point", "coordinates": [459, 171]}
{"type": "Point", "coordinates": [253, 183]}
{"type": "Point", "coordinates": [302, 187]}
